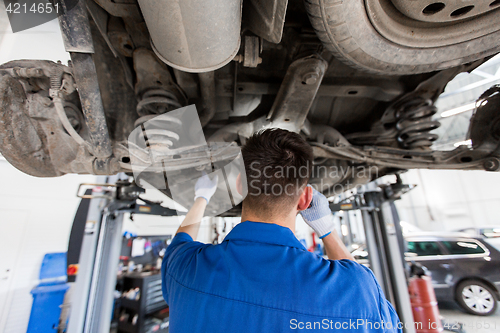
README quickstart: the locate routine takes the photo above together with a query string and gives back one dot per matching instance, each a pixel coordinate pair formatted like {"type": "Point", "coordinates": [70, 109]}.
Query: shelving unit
{"type": "Point", "coordinates": [150, 304]}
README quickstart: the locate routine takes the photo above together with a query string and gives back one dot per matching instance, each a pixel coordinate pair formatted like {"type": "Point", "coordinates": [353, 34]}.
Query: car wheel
{"type": "Point", "coordinates": [476, 298]}
{"type": "Point", "coordinates": [398, 37]}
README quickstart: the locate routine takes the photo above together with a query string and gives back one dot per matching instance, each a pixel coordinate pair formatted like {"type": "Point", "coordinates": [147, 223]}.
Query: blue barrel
{"type": "Point", "coordinates": [46, 309]}
{"type": "Point", "coordinates": [48, 296]}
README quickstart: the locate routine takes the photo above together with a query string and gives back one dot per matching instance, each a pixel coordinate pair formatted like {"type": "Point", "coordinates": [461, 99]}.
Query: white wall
{"type": "Point", "coordinates": [451, 199]}
{"type": "Point", "coordinates": [42, 42]}
{"type": "Point", "coordinates": [36, 215]}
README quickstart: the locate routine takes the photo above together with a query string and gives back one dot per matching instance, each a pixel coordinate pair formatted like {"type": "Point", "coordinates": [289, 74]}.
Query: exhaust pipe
{"type": "Point", "coordinates": [192, 35]}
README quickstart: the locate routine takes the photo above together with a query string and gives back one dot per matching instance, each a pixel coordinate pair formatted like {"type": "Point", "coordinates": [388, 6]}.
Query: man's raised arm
{"type": "Point", "coordinates": [203, 191]}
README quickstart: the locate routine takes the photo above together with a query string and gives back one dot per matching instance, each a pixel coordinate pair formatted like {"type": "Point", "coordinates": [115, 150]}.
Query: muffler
{"type": "Point", "coordinates": [194, 35]}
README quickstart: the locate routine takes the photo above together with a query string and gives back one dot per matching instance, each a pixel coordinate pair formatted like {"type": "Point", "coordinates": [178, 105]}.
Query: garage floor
{"type": "Point", "coordinates": [472, 324]}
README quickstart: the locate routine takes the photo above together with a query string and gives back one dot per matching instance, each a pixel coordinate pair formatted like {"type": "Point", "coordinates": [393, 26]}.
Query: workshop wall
{"type": "Point", "coordinates": [41, 42]}
{"type": "Point", "coordinates": [36, 215]}
{"type": "Point", "coordinates": [450, 199]}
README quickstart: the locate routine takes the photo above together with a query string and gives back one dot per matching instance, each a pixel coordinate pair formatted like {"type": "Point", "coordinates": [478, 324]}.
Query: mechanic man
{"type": "Point", "coordinates": [261, 278]}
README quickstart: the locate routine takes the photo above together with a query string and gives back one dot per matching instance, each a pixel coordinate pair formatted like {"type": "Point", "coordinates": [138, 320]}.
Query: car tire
{"type": "Point", "coordinates": [476, 298]}
{"type": "Point", "coordinates": [374, 37]}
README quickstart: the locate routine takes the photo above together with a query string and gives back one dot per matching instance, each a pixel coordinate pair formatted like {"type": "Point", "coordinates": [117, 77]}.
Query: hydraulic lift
{"type": "Point", "coordinates": [92, 295]}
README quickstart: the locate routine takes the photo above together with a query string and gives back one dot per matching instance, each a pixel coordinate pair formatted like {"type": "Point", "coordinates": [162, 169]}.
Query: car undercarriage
{"type": "Point", "coordinates": [358, 79]}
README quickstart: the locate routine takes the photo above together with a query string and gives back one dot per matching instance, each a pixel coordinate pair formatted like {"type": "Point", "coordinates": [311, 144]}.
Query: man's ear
{"type": "Point", "coordinates": [239, 186]}
{"type": "Point", "coordinates": [305, 198]}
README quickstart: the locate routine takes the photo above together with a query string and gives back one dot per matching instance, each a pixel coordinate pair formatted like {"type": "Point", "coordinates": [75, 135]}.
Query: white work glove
{"type": "Point", "coordinates": [319, 216]}
{"type": "Point", "coordinates": [205, 187]}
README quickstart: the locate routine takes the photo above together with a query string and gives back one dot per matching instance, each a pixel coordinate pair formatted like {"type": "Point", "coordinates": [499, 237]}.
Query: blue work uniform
{"type": "Point", "coordinates": [262, 279]}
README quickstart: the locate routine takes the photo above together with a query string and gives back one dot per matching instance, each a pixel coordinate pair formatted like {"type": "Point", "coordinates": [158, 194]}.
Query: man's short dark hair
{"type": "Point", "coordinates": [278, 165]}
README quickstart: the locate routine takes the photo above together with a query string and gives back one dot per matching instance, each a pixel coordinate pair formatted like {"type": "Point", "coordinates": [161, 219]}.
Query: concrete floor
{"type": "Point", "coordinates": [452, 313]}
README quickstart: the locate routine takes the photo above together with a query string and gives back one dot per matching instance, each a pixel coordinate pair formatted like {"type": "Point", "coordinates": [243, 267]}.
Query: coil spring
{"type": "Point", "coordinates": [157, 101]}
{"type": "Point", "coordinates": [163, 131]}
{"type": "Point", "coordinates": [414, 123]}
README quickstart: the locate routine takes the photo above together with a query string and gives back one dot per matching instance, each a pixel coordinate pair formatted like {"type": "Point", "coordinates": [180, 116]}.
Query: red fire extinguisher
{"type": "Point", "coordinates": [424, 304]}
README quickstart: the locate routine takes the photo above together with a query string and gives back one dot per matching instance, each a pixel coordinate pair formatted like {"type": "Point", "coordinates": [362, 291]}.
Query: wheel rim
{"type": "Point", "coordinates": [444, 10]}
{"type": "Point", "coordinates": [478, 298]}
{"type": "Point", "coordinates": [403, 27]}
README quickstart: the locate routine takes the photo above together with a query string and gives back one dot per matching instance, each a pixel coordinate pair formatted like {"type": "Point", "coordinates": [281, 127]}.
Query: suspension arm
{"type": "Point", "coordinates": [78, 42]}
{"type": "Point", "coordinates": [460, 158]}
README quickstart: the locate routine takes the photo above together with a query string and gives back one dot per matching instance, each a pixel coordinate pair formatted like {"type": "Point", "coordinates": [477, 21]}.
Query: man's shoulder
{"type": "Point", "coordinates": [340, 288]}
{"type": "Point", "coordinates": [345, 265]}
{"type": "Point", "coordinates": [182, 246]}
{"type": "Point", "coordinates": [353, 269]}
{"type": "Point", "coordinates": [345, 276]}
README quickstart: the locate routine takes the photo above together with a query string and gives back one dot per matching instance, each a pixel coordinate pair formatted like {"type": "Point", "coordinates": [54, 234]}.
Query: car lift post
{"type": "Point", "coordinates": [93, 296]}
{"type": "Point", "coordinates": [384, 242]}
{"type": "Point", "coordinates": [80, 294]}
